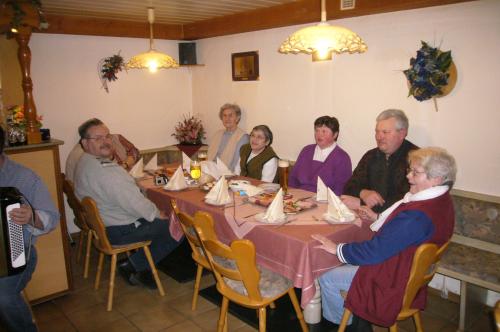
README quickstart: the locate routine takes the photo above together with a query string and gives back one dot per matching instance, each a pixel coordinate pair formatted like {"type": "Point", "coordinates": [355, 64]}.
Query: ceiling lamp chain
{"type": "Point", "coordinates": [151, 59]}
{"type": "Point", "coordinates": [323, 40]}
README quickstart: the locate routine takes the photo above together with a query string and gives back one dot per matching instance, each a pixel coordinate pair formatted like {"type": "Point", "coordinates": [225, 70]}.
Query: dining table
{"type": "Point", "coordinates": [285, 248]}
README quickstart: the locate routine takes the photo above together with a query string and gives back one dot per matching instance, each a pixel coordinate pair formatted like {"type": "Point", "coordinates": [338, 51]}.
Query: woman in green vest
{"type": "Point", "coordinates": [257, 158]}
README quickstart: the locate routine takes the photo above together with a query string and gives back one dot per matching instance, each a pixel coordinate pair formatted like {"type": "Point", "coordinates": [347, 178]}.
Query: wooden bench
{"type": "Point", "coordinates": [473, 257]}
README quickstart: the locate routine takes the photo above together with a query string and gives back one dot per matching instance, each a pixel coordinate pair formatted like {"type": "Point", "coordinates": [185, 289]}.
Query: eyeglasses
{"type": "Point", "coordinates": [413, 171]}
{"type": "Point", "coordinates": [100, 138]}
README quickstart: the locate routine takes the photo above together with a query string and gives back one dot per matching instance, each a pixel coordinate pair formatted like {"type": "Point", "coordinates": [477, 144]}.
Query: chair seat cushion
{"type": "Point", "coordinates": [271, 284]}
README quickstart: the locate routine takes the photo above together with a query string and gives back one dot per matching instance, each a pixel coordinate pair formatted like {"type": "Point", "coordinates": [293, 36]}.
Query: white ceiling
{"type": "Point", "coordinates": [166, 11]}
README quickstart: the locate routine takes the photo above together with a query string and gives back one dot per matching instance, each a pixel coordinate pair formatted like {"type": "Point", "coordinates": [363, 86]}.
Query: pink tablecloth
{"type": "Point", "coordinates": [288, 249]}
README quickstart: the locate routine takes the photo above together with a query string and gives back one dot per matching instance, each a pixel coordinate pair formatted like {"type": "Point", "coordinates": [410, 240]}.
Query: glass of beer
{"type": "Point", "coordinates": [283, 169]}
{"type": "Point", "coordinates": [195, 170]}
{"type": "Point", "coordinates": [202, 156]}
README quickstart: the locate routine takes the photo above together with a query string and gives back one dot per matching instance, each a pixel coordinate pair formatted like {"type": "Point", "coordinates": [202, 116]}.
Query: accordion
{"type": "Point", "coordinates": [12, 255]}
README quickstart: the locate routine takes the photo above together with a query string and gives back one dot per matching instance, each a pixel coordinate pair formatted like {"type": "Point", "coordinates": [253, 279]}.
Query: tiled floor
{"type": "Point", "coordinates": [139, 309]}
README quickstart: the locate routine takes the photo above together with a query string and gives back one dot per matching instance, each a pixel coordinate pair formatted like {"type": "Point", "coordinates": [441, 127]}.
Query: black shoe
{"type": "Point", "coordinates": [128, 273]}
{"type": "Point", "coordinates": [146, 279]}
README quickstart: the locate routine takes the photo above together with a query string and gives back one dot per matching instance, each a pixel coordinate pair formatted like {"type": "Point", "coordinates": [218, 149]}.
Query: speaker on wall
{"type": "Point", "coordinates": [187, 53]}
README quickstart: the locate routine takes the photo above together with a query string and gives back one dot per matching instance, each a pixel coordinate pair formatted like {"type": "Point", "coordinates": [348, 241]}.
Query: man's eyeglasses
{"type": "Point", "coordinates": [100, 138]}
{"type": "Point", "coordinates": [413, 171]}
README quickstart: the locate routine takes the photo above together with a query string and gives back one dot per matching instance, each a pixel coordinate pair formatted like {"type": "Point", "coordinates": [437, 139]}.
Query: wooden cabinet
{"type": "Point", "coordinates": [52, 276]}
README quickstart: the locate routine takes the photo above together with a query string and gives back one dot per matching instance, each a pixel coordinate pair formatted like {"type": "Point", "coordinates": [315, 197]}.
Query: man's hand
{"type": "Point", "coordinates": [352, 202]}
{"type": "Point", "coordinates": [21, 215]}
{"type": "Point", "coordinates": [326, 244]}
{"type": "Point", "coordinates": [366, 213]}
{"type": "Point", "coordinates": [371, 198]}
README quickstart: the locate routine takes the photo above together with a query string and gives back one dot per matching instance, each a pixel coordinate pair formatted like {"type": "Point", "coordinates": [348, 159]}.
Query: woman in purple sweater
{"type": "Point", "coordinates": [325, 159]}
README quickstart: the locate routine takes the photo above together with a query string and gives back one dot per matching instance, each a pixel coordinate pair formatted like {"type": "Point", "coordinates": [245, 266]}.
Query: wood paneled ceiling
{"type": "Point", "coordinates": [196, 19]}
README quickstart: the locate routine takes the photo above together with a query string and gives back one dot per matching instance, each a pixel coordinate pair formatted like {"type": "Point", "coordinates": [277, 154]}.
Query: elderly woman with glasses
{"type": "Point", "coordinates": [377, 271]}
{"type": "Point", "coordinates": [257, 158]}
{"type": "Point", "coordinates": [325, 159]}
{"type": "Point", "coordinates": [226, 143]}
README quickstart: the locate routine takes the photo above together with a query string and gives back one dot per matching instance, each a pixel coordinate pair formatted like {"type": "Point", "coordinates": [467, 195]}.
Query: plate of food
{"type": "Point", "coordinates": [265, 199]}
{"type": "Point", "coordinates": [293, 207]}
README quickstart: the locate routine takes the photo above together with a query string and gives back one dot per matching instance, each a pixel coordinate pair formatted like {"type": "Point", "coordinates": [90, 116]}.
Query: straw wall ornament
{"type": "Point", "coordinates": [108, 68]}
{"type": "Point", "coordinates": [432, 74]}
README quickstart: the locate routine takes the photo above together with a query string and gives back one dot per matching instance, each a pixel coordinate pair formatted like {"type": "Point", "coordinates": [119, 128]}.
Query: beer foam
{"type": "Point", "coordinates": [283, 163]}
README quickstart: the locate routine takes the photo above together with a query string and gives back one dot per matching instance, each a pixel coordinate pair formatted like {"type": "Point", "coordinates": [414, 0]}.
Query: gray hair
{"type": "Point", "coordinates": [437, 162]}
{"type": "Point", "coordinates": [84, 127]}
{"type": "Point", "coordinates": [236, 109]}
{"type": "Point", "coordinates": [399, 115]}
{"type": "Point", "coordinates": [266, 131]}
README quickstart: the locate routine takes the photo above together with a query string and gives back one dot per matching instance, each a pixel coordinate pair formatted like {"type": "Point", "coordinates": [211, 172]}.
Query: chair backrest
{"type": "Point", "coordinates": [187, 224]}
{"type": "Point", "coordinates": [74, 204]}
{"type": "Point", "coordinates": [423, 268]}
{"type": "Point", "coordinates": [95, 223]}
{"type": "Point", "coordinates": [234, 266]}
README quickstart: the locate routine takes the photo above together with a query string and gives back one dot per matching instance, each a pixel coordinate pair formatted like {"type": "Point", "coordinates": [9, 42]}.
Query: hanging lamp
{"type": "Point", "coordinates": [323, 40]}
{"type": "Point", "coordinates": [152, 59]}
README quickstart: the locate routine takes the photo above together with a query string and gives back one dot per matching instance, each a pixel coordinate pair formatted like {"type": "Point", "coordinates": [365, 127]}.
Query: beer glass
{"type": "Point", "coordinates": [283, 169]}
{"type": "Point", "coordinates": [202, 156]}
{"type": "Point", "coordinates": [195, 170]}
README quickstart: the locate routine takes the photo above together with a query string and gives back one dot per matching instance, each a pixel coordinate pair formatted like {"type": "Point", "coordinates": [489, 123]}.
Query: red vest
{"type": "Point", "coordinates": [377, 291]}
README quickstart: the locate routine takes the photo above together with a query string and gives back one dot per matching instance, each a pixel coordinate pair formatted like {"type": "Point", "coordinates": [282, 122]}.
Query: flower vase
{"type": "Point", "coordinates": [189, 148]}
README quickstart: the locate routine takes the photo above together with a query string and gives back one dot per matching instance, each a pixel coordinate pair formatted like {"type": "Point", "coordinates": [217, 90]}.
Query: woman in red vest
{"type": "Point", "coordinates": [377, 271]}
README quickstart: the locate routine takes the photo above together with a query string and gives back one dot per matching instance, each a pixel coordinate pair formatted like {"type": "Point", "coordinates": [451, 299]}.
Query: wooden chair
{"type": "Point", "coordinates": [239, 279]}
{"type": "Point", "coordinates": [80, 222]}
{"type": "Point", "coordinates": [186, 222]}
{"type": "Point", "coordinates": [423, 268]}
{"type": "Point", "coordinates": [104, 247]}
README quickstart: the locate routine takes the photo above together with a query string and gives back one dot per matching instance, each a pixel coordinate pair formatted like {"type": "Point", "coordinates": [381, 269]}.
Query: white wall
{"type": "Point", "coordinates": [293, 90]}
{"type": "Point", "coordinates": [144, 107]}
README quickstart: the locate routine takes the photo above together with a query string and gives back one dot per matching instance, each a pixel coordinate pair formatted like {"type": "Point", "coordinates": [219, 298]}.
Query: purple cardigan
{"type": "Point", "coordinates": [334, 172]}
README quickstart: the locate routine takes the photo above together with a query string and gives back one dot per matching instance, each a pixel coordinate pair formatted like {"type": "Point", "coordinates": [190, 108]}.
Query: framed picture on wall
{"type": "Point", "coordinates": [245, 66]}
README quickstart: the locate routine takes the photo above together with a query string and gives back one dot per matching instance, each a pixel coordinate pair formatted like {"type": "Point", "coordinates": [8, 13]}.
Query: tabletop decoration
{"type": "Point", "coordinates": [189, 131]}
{"type": "Point", "coordinates": [108, 68]}
{"type": "Point", "coordinates": [431, 74]}
{"type": "Point", "coordinates": [16, 124]}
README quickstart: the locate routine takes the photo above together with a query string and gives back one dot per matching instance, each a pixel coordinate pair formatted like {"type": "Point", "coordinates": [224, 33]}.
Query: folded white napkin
{"type": "Point", "coordinates": [337, 210]}
{"type": "Point", "coordinates": [186, 162]}
{"type": "Point", "coordinates": [251, 190]}
{"type": "Point", "coordinates": [222, 168]}
{"type": "Point", "coordinates": [177, 181]}
{"type": "Point", "coordinates": [137, 170]}
{"type": "Point", "coordinates": [275, 211]}
{"type": "Point", "coordinates": [152, 164]}
{"type": "Point", "coordinates": [219, 194]}
{"type": "Point", "coordinates": [321, 190]}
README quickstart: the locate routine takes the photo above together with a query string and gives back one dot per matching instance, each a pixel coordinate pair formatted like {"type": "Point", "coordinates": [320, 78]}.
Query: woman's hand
{"type": "Point", "coordinates": [364, 212]}
{"type": "Point", "coordinates": [326, 244]}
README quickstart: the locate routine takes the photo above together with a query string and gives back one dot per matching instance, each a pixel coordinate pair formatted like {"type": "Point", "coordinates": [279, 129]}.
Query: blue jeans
{"type": "Point", "coordinates": [156, 231]}
{"type": "Point", "coordinates": [15, 313]}
{"type": "Point", "coordinates": [331, 283]}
